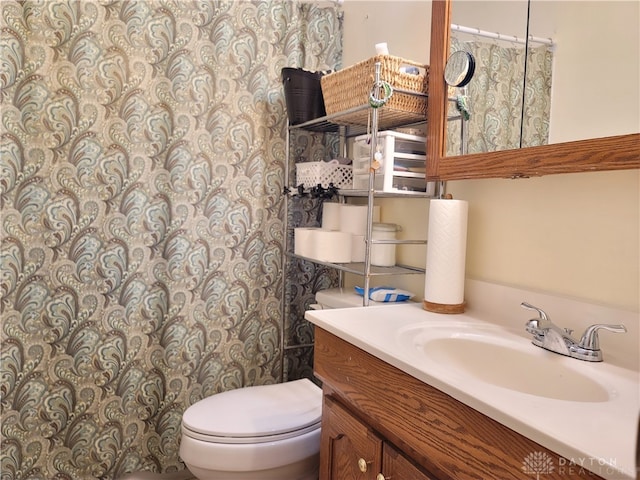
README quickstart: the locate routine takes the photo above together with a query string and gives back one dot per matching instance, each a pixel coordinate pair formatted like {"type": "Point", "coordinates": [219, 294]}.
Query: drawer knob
{"type": "Point", "coordinates": [363, 465]}
{"type": "Point", "coordinates": [382, 477]}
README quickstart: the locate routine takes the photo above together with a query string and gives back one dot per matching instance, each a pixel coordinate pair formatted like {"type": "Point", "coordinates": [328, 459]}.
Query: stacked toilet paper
{"type": "Point", "coordinates": [341, 237]}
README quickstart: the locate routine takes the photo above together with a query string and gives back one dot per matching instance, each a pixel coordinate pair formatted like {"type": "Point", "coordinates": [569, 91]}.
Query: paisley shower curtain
{"type": "Point", "coordinates": [142, 169]}
{"type": "Point", "coordinates": [494, 98]}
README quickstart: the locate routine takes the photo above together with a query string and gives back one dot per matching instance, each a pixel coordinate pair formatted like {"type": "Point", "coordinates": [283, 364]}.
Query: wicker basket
{"type": "Point", "coordinates": [312, 174]}
{"type": "Point", "coordinates": [351, 86]}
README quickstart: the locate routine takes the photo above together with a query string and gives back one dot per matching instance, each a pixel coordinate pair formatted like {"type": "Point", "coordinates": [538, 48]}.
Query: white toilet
{"type": "Point", "coordinates": [340, 298]}
{"type": "Point", "coordinates": [267, 432]}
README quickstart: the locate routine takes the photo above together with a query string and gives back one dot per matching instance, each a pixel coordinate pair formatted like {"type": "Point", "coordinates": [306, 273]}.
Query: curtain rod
{"type": "Point", "coordinates": [500, 36]}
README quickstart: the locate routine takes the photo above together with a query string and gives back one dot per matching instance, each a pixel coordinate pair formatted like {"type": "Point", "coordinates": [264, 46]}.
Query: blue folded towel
{"type": "Point", "coordinates": [385, 294]}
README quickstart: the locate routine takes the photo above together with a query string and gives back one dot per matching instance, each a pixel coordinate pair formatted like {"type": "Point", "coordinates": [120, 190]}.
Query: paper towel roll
{"type": "Point", "coordinates": [331, 246]}
{"type": "Point", "coordinates": [353, 218]}
{"type": "Point", "coordinates": [446, 255]}
{"type": "Point", "coordinates": [331, 215]}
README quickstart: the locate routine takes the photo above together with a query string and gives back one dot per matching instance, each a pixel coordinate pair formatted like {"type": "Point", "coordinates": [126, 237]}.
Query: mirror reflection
{"type": "Point", "coordinates": [570, 93]}
{"type": "Point", "coordinates": [493, 112]}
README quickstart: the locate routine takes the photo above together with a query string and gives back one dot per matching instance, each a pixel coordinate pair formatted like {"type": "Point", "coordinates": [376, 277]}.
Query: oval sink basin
{"type": "Point", "coordinates": [510, 363]}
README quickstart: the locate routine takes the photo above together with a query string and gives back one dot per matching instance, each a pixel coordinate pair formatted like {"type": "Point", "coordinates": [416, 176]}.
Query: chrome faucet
{"type": "Point", "coordinates": [549, 336]}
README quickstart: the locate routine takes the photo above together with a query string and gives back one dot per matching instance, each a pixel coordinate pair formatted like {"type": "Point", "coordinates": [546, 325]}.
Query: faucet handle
{"type": "Point", "coordinates": [590, 339]}
{"type": "Point", "coordinates": [543, 316]}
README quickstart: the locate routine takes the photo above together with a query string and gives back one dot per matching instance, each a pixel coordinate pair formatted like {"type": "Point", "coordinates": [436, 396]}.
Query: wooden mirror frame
{"type": "Point", "coordinates": [620, 152]}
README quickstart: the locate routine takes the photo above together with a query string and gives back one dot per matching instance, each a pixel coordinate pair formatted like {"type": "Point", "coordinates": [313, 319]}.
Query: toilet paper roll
{"type": "Point", "coordinates": [331, 215]}
{"type": "Point", "coordinates": [357, 248]}
{"type": "Point", "coordinates": [353, 218]}
{"type": "Point", "coordinates": [302, 241]}
{"type": "Point", "coordinates": [446, 255]}
{"type": "Point", "coordinates": [331, 246]}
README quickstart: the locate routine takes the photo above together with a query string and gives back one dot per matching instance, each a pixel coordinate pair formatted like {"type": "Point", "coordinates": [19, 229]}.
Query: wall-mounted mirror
{"type": "Point", "coordinates": [582, 134]}
{"type": "Point", "coordinates": [564, 96]}
{"type": "Point", "coordinates": [570, 92]}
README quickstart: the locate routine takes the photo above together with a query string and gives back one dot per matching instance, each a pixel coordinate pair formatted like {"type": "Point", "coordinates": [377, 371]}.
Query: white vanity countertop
{"type": "Point", "coordinates": [597, 435]}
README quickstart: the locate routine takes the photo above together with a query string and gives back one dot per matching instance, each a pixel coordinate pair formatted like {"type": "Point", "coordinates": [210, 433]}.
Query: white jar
{"type": "Point", "coordinates": [383, 254]}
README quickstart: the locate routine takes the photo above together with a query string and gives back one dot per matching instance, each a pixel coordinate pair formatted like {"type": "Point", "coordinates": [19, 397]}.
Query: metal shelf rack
{"type": "Point", "coordinates": [350, 123]}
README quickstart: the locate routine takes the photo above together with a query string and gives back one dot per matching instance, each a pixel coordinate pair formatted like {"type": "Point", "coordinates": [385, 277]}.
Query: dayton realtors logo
{"type": "Point", "coordinates": [541, 463]}
{"type": "Point", "coordinates": [537, 463]}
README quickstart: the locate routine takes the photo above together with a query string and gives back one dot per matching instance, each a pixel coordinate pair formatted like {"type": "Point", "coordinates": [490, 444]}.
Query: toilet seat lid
{"type": "Point", "coordinates": [256, 412]}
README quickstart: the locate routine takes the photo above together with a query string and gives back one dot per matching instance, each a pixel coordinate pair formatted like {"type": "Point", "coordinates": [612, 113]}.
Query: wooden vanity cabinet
{"type": "Point", "coordinates": [396, 465]}
{"type": "Point", "coordinates": [352, 450]}
{"type": "Point", "coordinates": [404, 429]}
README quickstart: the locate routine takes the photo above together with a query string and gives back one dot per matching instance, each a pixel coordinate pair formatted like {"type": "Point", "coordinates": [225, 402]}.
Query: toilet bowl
{"type": "Point", "coordinates": [267, 432]}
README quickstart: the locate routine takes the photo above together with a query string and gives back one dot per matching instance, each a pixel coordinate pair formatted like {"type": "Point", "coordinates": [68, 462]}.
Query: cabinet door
{"type": "Point", "coordinates": [396, 466]}
{"type": "Point", "coordinates": [349, 450]}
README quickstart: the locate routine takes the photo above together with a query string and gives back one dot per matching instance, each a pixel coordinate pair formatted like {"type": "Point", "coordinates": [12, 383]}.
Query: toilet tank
{"type": "Point", "coordinates": [339, 298]}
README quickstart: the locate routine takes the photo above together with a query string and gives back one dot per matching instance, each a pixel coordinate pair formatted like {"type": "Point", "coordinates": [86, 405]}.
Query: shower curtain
{"type": "Point", "coordinates": [142, 165]}
{"type": "Point", "coordinates": [494, 98]}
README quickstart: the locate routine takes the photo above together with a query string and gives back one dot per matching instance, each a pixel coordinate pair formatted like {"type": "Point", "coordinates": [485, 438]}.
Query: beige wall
{"type": "Point", "coordinates": [575, 235]}
{"type": "Point", "coordinates": [403, 25]}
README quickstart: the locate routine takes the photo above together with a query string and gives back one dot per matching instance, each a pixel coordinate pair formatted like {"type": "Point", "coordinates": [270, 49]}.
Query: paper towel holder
{"type": "Point", "coordinates": [444, 308]}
